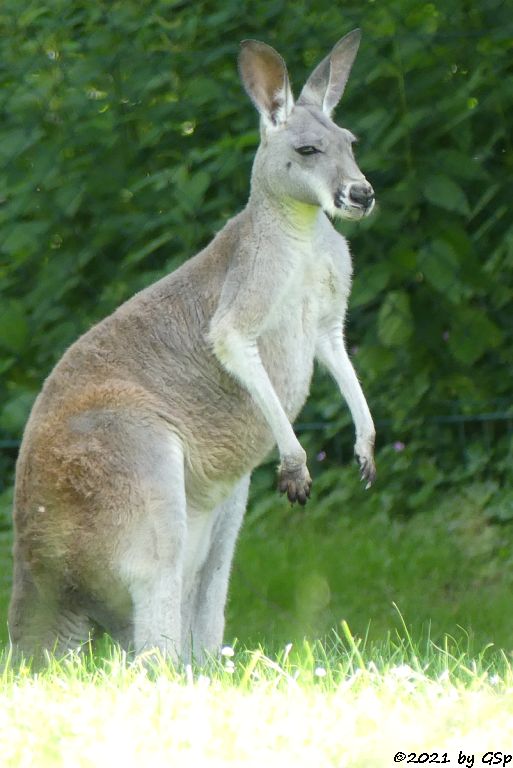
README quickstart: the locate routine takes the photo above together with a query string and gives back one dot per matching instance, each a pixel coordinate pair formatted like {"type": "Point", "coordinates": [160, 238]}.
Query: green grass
{"type": "Point", "coordinates": [351, 555]}
{"type": "Point", "coordinates": [341, 703]}
{"type": "Point", "coordinates": [434, 675]}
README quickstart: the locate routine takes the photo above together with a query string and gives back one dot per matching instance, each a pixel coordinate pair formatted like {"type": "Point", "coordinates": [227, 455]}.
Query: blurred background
{"type": "Point", "coordinates": [126, 142]}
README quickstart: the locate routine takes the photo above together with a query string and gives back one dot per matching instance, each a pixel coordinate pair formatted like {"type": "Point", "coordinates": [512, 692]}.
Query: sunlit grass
{"type": "Point", "coordinates": [341, 702]}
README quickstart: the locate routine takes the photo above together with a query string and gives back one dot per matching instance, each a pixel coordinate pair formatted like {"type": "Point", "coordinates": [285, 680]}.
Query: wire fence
{"type": "Point", "coordinates": [486, 426]}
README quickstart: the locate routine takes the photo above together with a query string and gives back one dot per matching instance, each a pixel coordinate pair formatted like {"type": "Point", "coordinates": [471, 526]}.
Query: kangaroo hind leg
{"type": "Point", "coordinates": [207, 620]}
{"type": "Point", "coordinates": [39, 622]}
{"type": "Point", "coordinates": [151, 561]}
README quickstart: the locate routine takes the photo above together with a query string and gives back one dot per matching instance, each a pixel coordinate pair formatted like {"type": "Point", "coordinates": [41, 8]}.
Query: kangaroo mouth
{"type": "Point", "coordinates": [348, 210]}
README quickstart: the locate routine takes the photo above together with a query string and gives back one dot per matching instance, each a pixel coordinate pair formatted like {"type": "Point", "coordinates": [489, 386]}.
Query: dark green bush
{"type": "Point", "coordinates": [126, 142]}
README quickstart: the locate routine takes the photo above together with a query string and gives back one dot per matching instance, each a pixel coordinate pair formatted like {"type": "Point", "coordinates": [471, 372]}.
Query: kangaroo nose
{"type": "Point", "coordinates": [361, 194]}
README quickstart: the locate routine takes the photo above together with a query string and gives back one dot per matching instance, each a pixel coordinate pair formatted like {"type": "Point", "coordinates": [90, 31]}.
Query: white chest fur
{"type": "Point", "coordinates": [287, 345]}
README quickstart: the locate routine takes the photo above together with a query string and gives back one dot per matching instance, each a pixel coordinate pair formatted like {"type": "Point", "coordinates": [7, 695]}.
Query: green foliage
{"type": "Point", "coordinates": [126, 142]}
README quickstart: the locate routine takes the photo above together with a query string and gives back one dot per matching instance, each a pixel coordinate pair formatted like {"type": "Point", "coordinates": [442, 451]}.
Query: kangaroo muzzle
{"type": "Point", "coordinates": [361, 195]}
{"type": "Point", "coordinates": [355, 199]}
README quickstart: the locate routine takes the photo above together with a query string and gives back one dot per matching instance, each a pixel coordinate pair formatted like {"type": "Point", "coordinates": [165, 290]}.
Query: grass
{"type": "Point", "coordinates": [420, 685]}
{"type": "Point", "coordinates": [352, 555]}
{"type": "Point", "coordinates": [339, 703]}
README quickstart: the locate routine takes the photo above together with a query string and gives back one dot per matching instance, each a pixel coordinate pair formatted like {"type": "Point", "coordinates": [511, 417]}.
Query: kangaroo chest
{"type": "Point", "coordinates": [287, 346]}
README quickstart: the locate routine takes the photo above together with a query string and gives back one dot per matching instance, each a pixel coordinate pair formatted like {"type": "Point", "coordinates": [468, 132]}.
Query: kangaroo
{"type": "Point", "coordinates": [133, 474]}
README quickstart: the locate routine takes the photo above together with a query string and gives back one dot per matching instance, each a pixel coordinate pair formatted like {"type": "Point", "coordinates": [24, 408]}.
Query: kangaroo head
{"type": "Point", "coordinates": [303, 155]}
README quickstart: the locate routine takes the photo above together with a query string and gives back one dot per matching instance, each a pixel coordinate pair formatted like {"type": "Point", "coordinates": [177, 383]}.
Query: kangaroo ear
{"type": "Point", "coordinates": [325, 86]}
{"type": "Point", "coordinates": [264, 75]}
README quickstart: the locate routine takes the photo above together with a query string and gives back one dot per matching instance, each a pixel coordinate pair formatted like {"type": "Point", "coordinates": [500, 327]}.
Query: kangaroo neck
{"type": "Point", "coordinates": [271, 212]}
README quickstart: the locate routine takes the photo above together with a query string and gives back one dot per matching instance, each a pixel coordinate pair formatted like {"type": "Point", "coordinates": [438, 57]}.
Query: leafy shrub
{"type": "Point", "coordinates": [126, 142]}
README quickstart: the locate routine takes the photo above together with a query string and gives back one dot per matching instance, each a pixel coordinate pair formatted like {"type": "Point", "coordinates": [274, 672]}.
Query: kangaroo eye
{"type": "Point", "coordinates": [308, 150]}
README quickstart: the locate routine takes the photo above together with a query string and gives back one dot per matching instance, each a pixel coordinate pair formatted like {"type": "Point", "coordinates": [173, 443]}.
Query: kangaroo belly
{"type": "Point", "coordinates": [288, 349]}
{"type": "Point", "coordinates": [292, 373]}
